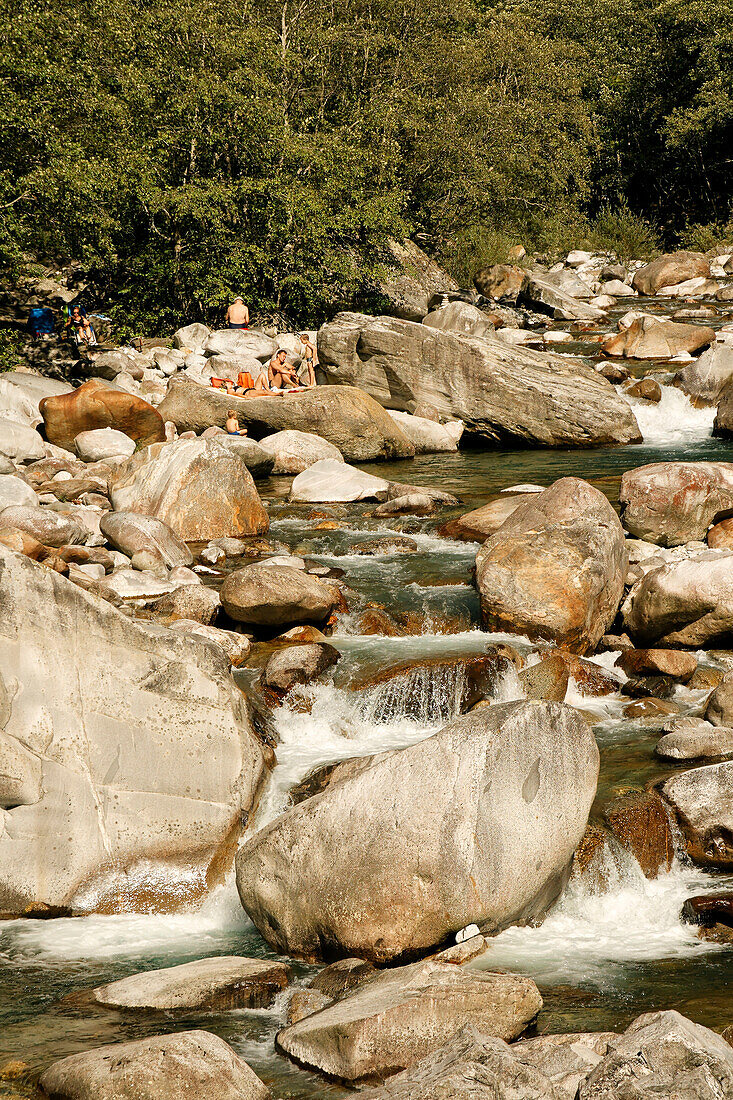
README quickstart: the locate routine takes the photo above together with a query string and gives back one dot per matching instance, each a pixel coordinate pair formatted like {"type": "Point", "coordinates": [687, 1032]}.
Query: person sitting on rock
{"type": "Point", "coordinates": [81, 327]}
{"type": "Point", "coordinates": [307, 370]}
{"type": "Point", "coordinates": [232, 424]}
{"type": "Point", "coordinates": [237, 314]}
{"type": "Point", "coordinates": [281, 375]}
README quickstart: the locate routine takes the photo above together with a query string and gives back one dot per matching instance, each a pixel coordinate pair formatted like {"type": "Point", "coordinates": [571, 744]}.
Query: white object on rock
{"type": "Point", "coordinates": [103, 443]}
{"type": "Point", "coordinates": [336, 481]}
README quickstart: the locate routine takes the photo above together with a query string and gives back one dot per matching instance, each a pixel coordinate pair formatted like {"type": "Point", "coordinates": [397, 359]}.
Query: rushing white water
{"type": "Point", "coordinates": [673, 420]}
{"type": "Point", "coordinates": [634, 920]}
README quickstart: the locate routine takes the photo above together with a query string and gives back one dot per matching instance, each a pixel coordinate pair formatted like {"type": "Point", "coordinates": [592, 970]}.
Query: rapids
{"type": "Point", "coordinates": [600, 957]}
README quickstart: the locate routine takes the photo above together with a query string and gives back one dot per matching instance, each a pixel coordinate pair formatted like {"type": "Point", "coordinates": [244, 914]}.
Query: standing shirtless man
{"type": "Point", "coordinates": [237, 314]}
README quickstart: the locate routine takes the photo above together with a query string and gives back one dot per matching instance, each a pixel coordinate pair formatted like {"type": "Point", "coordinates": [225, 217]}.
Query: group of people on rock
{"type": "Point", "coordinates": [277, 377]}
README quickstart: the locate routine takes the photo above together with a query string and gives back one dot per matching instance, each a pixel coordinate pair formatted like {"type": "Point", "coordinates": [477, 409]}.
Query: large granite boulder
{"type": "Point", "coordinates": [239, 342]}
{"type": "Point", "coordinates": [705, 378]}
{"type": "Point", "coordinates": [460, 317]}
{"type": "Point", "coordinates": [49, 527]}
{"type": "Point", "coordinates": [723, 423]}
{"type": "Point", "coordinates": [546, 293]}
{"type": "Point", "coordinates": [258, 461]}
{"type": "Point", "coordinates": [345, 416]}
{"type": "Point", "coordinates": [648, 338]}
{"type": "Point", "coordinates": [328, 480]}
{"type": "Point", "coordinates": [141, 743]}
{"type": "Point", "coordinates": [427, 436]}
{"type": "Point", "coordinates": [479, 524]}
{"type": "Point", "coordinates": [556, 568]}
{"type": "Point", "coordinates": [96, 405]}
{"type": "Point", "coordinates": [199, 487]}
{"type": "Point", "coordinates": [410, 279]}
{"type": "Point", "coordinates": [500, 392]}
{"type": "Point", "coordinates": [671, 503]}
{"type": "Point", "coordinates": [165, 1067]}
{"type": "Point", "coordinates": [470, 1066]}
{"type": "Point", "coordinates": [669, 270]}
{"type": "Point", "coordinates": [502, 282]}
{"type": "Point", "coordinates": [130, 532]}
{"type": "Point", "coordinates": [213, 985]}
{"type": "Point", "coordinates": [103, 443]}
{"type": "Point", "coordinates": [401, 1015]}
{"type": "Point", "coordinates": [702, 801]}
{"type": "Point", "coordinates": [683, 603]}
{"type": "Point", "coordinates": [191, 336]}
{"type": "Point", "coordinates": [294, 451]}
{"type": "Point", "coordinates": [20, 443]}
{"type": "Point", "coordinates": [663, 1054]}
{"type": "Point", "coordinates": [476, 824]}
{"type": "Point", "coordinates": [276, 595]}
{"type": "Point", "coordinates": [15, 492]}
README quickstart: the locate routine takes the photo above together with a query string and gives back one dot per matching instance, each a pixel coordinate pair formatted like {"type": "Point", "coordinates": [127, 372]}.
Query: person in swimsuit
{"type": "Point", "coordinates": [237, 314]}
{"type": "Point", "coordinates": [233, 424]}
{"type": "Point", "coordinates": [310, 361]}
{"type": "Point", "coordinates": [280, 375]}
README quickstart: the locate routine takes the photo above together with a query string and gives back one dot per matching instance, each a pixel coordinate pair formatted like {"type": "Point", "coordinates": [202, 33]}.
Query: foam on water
{"type": "Point", "coordinates": [636, 920]}
{"type": "Point", "coordinates": [673, 420]}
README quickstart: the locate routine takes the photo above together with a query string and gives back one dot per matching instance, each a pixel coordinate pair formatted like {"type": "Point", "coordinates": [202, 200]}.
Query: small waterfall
{"type": "Point", "coordinates": [673, 420]}
{"type": "Point", "coordinates": [426, 694]}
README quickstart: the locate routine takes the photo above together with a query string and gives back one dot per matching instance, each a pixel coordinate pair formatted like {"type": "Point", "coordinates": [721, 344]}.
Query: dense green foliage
{"type": "Point", "coordinates": [185, 151]}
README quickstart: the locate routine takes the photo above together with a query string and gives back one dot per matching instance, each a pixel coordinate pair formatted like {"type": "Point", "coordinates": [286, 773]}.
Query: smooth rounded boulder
{"type": "Point", "coordinates": [102, 443]}
{"type": "Point", "coordinates": [97, 405]}
{"type": "Point", "coordinates": [200, 488]}
{"type": "Point", "coordinates": [327, 481]}
{"type": "Point", "coordinates": [48, 527]}
{"type": "Point", "coordinates": [130, 532]}
{"type": "Point", "coordinates": [239, 342]}
{"type": "Point", "coordinates": [20, 443]}
{"type": "Point", "coordinates": [474, 825]}
{"type": "Point", "coordinates": [648, 338]}
{"type": "Point", "coordinates": [671, 503]}
{"type": "Point", "coordinates": [345, 416]}
{"type": "Point", "coordinates": [556, 568]}
{"type": "Point", "coordinates": [164, 1067]}
{"type": "Point", "coordinates": [294, 451]}
{"type": "Point", "coordinates": [683, 603]}
{"type": "Point", "coordinates": [669, 270]}
{"type": "Point", "coordinates": [16, 491]}
{"type": "Point", "coordinates": [706, 377]}
{"type": "Point", "coordinates": [275, 595]}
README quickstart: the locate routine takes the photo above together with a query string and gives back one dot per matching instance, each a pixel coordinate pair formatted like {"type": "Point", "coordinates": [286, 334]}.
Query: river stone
{"type": "Point", "coordinates": [275, 595]}
{"type": "Point", "coordinates": [189, 601]}
{"type": "Point", "coordinates": [565, 1059]}
{"type": "Point", "coordinates": [97, 405]}
{"type": "Point", "coordinates": [298, 664]}
{"type": "Point", "coordinates": [658, 662]}
{"type": "Point", "coordinates": [165, 1067]}
{"type": "Point", "coordinates": [640, 824]}
{"type": "Point", "coordinates": [329, 481]}
{"type": "Point", "coordinates": [723, 423]}
{"type": "Point", "coordinates": [214, 985]}
{"type": "Point", "coordinates": [476, 824]}
{"type": "Point", "coordinates": [719, 708]}
{"type": "Point", "coordinates": [294, 451]}
{"type": "Point", "coordinates": [460, 317]}
{"type": "Point", "coordinates": [144, 743]}
{"type": "Point", "coordinates": [103, 443]}
{"type": "Point", "coordinates": [501, 393]}
{"type": "Point", "coordinates": [345, 416]}
{"type": "Point", "coordinates": [258, 461]}
{"type": "Point", "coordinates": [341, 977]}
{"type": "Point", "coordinates": [427, 436]}
{"type": "Point", "coordinates": [411, 504]}
{"type": "Point", "coordinates": [694, 739]}
{"type": "Point", "coordinates": [548, 680]}
{"type": "Point", "coordinates": [191, 336]}
{"type": "Point", "coordinates": [702, 800]}
{"type": "Point", "coordinates": [683, 603]}
{"type": "Point", "coordinates": [646, 389]}
{"type": "Point", "coordinates": [544, 292]}
{"type": "Point", "coordinates": [198, 487]}
{"type": "Point", "coordinates": [648, 338]}
{"type": "Point", "coordinates": [502, 282]}
{"type": "Point", "coordinates": [403, 1014]}
{"type": "Point", "coordinates": [669, 270]}
{"type": "Point", "coordinates": [671, 503]}
{"type": "Point", "coordinates": [130, 532]}
{"type": "Point", "coordinates": [478, 525]}
{"type": "Point", "coordinates": [137, 583]}
{"type": "Point", "coordinates": [240, 342]}
{"type": "Point", "coordinates": [48, 527]}
{"type": "Point", "coordinates": [14, 491]}
{"type": "Point", "coordinates": [20, 443]}
{"type": "Point", "coordinates": [235, 645]}
{"type": "Point", "coordinates": [17, 406]}
{"type": "Point", "coordinates": [556, 568]}
{"type": "Point", "coordinates": [663, 1054]}
{"type": "Point", "coordinates": [705, 378]}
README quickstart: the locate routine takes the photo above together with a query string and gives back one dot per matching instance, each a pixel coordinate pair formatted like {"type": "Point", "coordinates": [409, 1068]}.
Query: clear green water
{"type": "Point", "coordinates": [599, 961]}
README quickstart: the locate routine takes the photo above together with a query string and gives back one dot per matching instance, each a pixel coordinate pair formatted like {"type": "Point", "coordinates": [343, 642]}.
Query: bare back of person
{"type": "Point", "coordinates": [237, 314]}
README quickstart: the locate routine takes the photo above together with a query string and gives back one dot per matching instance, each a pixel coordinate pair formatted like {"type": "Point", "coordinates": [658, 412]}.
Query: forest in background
{"type": "Point", "coordinates": [183, 151]}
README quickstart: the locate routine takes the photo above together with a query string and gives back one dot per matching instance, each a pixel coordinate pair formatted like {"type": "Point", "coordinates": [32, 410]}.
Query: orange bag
{"type": "Point", "coordinates": [221, 383]}
{"type": "Point", "coordinates": [245, 380]}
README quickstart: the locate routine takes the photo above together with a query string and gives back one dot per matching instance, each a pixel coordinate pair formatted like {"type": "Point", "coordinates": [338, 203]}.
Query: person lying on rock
{"type": "Point", "coordinates": [307, 370]}
{"type": "Point", "coordinates": [232, 424]}
{"type": "Point", "coordinates": [223, 384]}
{"type": "Point", "coordinates": [281, 375]}
{"type": "Point", "coordinates": [237, 315]}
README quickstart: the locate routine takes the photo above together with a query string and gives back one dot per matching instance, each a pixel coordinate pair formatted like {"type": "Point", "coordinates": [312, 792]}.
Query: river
{"type": "Point", "coordinates": [600, 958]}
